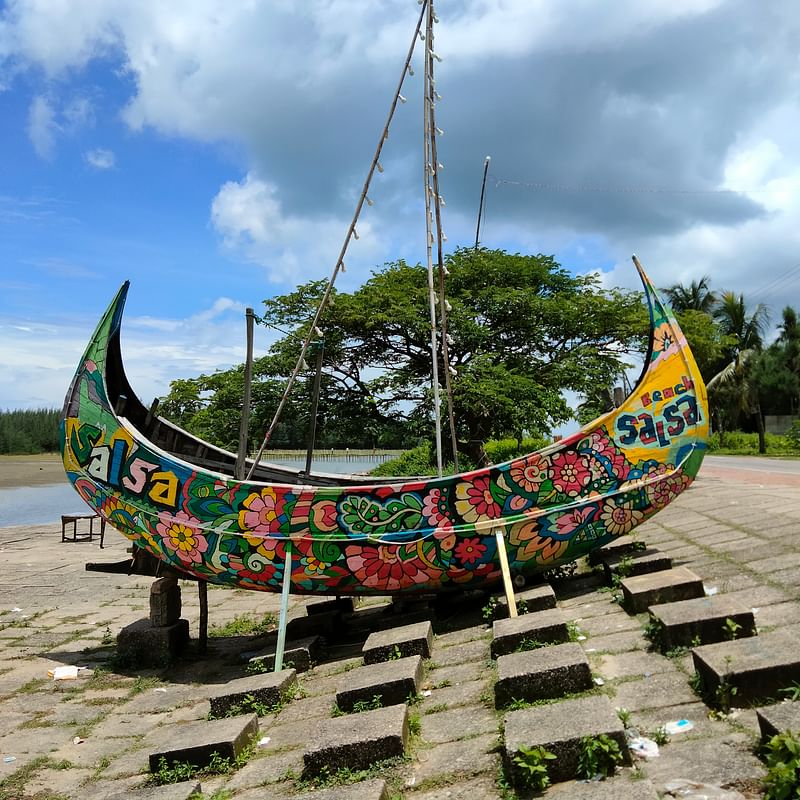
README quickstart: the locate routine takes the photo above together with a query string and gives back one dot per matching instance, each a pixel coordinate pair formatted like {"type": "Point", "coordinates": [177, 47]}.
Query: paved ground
{"type": "Point", "coordinates": [739, 535]}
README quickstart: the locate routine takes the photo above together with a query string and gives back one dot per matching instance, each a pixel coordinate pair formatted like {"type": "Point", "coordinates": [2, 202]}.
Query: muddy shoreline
{"type": "Point", "coordinates": [38, 470]}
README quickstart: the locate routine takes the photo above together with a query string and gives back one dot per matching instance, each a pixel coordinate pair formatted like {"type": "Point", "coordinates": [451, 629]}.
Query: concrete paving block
{"type": "Point", "coordinates": [637, 562]}
{"type": "Point", "coordinates": [266, 689]}
{"type": "Point", "coordinates": [542, 674]}
{"type": "Point", "coordinates": [393, 682]}
{"type": "Point", "coordinates": [757, 667]}
{"type": "Point", "coordinates": [666, 586]}
{"type": "Point", "coordinates": [143, 644]}
{"type": "Point", "coordinates": [776, 719]}
{"type": "Point", "coordinates": [174, 791]}
{"type": "Point", "coordinates": [559, 728]}
{"type": "Point", "coordinates": [300, 655]}
{"type": "Point", "coordinates": [457, 724]}
{"type": "Point", "coordinates": [408, 640]}
{"type": "Point", "coordinates": [197, 742]}
{"type": "Point", "coordinates": [375, 789]}
{"type": "Point", "coordinates": [544, 627]}
{"type": "Point", "coordinates": [358, 741]}
{"type": "Point", "coordinates": [460, 759]}
{"type": "Point", "coordinates": [616, 547]}
{"type": "Point", "coordinates": [620, 787]}
{"type": "Point", "coordinates": [705, 619]}
{"type": "Point", "coordinates": [539, 598]}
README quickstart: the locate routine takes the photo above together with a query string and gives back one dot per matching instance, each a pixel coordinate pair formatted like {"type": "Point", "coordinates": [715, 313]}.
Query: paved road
{"type": "Point", "coordinates": [759, 470]}
{"type": "Point", "coordinates": [789, 466]}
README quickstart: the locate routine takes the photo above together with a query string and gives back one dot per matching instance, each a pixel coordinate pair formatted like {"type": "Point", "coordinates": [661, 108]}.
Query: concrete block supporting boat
{"type": "Point", "coordinates": [666, 586]}
{"type": "Point", "coordinates": [560, 733]}
{"type": "Point", "coordinates": [142, 643]}
{"type": "Point", "coordinates": [542, 627]}
{"type": "Point", "coordinates": [703, 620]}
{"type": "Point", "coordinates": [747, 671]}
{"type": "Point", "coordinates": [197, 743]}
{"type": "Point", "coordinates": [409, 640]}
{"type": "Point", "coordinates": [543, 674]}
{"type": "Point", "coordinates": [357, 741]}
{"type": "Point", "coordinates": [391, 682]}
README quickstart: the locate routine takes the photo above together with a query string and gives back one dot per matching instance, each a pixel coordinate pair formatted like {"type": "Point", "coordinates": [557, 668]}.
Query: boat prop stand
{"type": "Point", "coordinates": [287, 581]}
{"type": "Point", "coordinates": [508, 582]}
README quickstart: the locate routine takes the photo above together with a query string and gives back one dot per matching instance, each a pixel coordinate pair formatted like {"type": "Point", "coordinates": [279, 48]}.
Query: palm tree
{"type": "Point", "coordinates": [732, 387]}
{"type": "Point", "coordinates": [697, 296]}
{"type": "Point", "coordinates": [747, 329]}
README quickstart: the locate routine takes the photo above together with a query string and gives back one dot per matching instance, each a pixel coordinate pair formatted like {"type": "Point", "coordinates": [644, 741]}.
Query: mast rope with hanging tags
{"type": "Point", "coordinates": [432, 167]}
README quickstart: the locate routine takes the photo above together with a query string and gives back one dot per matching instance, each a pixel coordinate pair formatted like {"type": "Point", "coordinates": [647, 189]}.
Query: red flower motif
{"type": "Point", "coordinates": [475, 501]}
{"type": "Point", "coordinates": [570, 472]}
{"type": "Point", "coordinates": [469, 551]}
{"type": "Point", "coordinates": [389, 568]}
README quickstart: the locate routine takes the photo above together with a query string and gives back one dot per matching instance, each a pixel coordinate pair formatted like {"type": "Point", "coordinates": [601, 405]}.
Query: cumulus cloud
{"type": "Point", "coordinates": [662, 127]}
{"type": "Point", "coordinates": [251, 219]}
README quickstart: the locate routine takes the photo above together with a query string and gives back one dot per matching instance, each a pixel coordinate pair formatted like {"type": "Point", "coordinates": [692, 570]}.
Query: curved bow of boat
{"type": "Point", "coordinates": [551, 506]}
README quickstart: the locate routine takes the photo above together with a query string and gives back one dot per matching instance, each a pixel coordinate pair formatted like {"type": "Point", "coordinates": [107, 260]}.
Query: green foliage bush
{"type": "Point", "coordinates": [792, 436]}
{"type": "Point", "coordinates": [532, 764]}
{"type": "Point", "coordinates": [740, 443]}
{"type": "Point", "coordinates": [782, 754]}
{"type": "Point", "coordinates": [421, 460]}
{"type": "Point", "coordinates": [500, 450]}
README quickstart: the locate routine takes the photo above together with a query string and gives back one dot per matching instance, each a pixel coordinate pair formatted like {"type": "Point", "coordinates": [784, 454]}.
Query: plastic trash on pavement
{"type": "Point", "coordinates": [642, 747]}
{"type": "Point", "coordinates": [65, 673]}
{"type": "Point", "coordinates": [678, 726]}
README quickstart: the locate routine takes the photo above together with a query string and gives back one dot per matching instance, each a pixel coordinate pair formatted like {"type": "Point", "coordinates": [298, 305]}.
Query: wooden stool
{"type": "Point", "coordinates": [66, 519]}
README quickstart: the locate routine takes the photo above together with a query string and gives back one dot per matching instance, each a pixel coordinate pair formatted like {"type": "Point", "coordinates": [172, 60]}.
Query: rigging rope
{"type": "Point", "coordinates": [351, 233]}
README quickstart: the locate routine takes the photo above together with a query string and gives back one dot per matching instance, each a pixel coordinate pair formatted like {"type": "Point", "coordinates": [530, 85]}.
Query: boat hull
{"type": "Point", "coordinates": [551, 507]}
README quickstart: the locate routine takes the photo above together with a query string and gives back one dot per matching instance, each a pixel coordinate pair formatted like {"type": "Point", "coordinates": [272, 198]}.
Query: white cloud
{"type": "Point", "coordinates": [46, 122]}
{"type": "Point", "coordinates": [39, 358]}
{"type": "Point", "coordinates": [250, 218]}
{"type": "Point", "coordinates": [100, 158]}
{"type": "Point", "coordinates": [42, 127]}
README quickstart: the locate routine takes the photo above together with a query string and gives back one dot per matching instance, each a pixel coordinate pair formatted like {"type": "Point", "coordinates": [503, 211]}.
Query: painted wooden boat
{"type": "Point", "coordinates": [174, 495]}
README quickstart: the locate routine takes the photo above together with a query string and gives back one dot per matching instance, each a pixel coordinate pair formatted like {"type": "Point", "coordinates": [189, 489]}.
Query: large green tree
{"type": "Point", "coordinates": [523, 331]}
{"type": "Point", "coordinates": [777, 370]}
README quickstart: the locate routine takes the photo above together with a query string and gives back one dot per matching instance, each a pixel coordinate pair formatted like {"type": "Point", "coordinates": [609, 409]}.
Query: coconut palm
{"type": "Point", "coordinates": [733, 389]}
{"type": "Point", "coordinates": [697, 296]}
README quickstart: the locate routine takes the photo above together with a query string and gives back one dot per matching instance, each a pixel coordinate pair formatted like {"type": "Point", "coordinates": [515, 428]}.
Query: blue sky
{"type": "Point", "coordinates": [211, 152]}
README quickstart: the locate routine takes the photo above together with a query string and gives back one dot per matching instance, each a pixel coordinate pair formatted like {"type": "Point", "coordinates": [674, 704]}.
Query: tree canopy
{"type": "Point", "coordinates": [523, 331]}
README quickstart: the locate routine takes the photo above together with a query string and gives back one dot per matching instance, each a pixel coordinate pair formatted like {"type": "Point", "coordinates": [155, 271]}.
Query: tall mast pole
{"type": "Point", "coordinates": [480, 205]}
{"type": "Point", "coordinates": [435, 166]}
{"type": "Point", "coordinates": [428, 168]}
